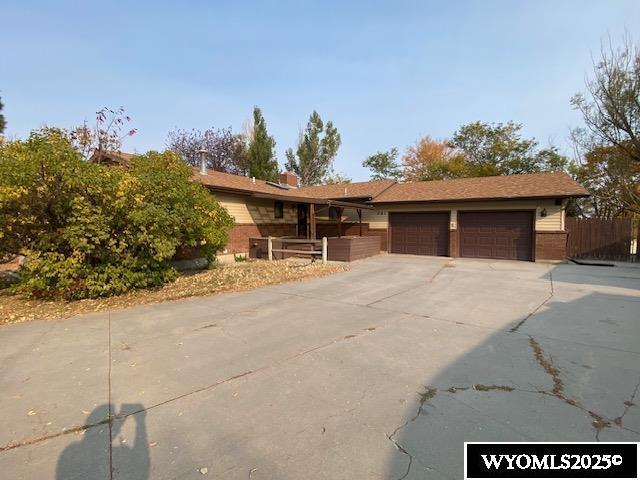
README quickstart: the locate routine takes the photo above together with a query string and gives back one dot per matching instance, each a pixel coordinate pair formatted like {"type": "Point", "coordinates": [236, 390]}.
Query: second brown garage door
{"type": "Point", "coordinates": [502, 235]}
{"type": "Point", "coordinates": [420, 233]}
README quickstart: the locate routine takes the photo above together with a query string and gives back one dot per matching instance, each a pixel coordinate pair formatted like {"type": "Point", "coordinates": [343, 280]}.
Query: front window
{"type": "Point", "coordinates": [278, 209]}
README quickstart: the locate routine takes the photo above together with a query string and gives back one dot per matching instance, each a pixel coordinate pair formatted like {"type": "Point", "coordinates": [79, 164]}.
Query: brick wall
{"type": "Point", "coordinates": [551, 246]}
{"type": "Point", "coordinates": [240, 234]}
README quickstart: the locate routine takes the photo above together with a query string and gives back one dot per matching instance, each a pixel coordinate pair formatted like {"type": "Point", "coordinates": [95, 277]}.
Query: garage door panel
{"type": "Point", "coordinates": [501, 235]}
{"type": "Point", "coordinates": [419, 233]}
{"type": "Point", "coordinates": [484, 241]}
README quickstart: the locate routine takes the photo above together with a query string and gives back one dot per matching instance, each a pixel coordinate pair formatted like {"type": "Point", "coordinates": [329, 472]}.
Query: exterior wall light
{"type": "Point", "coordinates": [543, 212]}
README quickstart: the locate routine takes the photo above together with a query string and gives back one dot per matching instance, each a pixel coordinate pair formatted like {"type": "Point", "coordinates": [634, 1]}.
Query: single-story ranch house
{"type": "Point", "coordinates": [515, 217]}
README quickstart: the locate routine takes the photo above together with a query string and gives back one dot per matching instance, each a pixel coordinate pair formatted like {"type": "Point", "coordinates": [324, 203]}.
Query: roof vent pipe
{"type": "Point", "coordinates": [253, 179]}
{"type": "Point", "coordinates": [203, 161]}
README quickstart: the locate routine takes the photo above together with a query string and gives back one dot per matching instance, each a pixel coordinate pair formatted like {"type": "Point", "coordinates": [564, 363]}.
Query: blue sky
{"type": "Point", "coordinates": [386, 73]}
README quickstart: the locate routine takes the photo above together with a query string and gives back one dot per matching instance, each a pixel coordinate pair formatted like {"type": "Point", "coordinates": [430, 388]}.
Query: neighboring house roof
{"type": "Point", "coordinates": [111, 158]}
{"type": "Point", "coordinates": [366, 190]}
{"type": "Point", "coordinates": [534, 185]}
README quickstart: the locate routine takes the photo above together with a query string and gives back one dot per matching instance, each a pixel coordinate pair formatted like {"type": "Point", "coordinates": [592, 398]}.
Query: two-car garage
{"type": "Point", "coordinates": [487, 234]}
{"type": "Point", "coordinates": [514, 217]}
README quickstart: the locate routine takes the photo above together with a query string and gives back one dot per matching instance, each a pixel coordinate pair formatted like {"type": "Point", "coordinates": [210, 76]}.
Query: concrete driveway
{"type": "Point", "coordinates": [379, 373]}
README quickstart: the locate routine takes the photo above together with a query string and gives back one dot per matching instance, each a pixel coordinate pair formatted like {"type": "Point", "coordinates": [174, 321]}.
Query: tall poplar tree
{"type": "Point", "coordinates": [317, 148]}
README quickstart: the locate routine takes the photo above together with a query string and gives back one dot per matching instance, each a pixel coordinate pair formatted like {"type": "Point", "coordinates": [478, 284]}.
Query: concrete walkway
{"type": "Point", "coordinates": [378, 373]}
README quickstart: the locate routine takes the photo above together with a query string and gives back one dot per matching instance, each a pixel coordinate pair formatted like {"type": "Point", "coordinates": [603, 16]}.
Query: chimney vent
{"type": "Point", "coordinates": [203, 161]}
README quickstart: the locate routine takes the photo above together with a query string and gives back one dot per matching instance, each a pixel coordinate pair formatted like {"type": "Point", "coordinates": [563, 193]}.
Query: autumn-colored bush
{"type": "Point", "coordinates": [90, 230]}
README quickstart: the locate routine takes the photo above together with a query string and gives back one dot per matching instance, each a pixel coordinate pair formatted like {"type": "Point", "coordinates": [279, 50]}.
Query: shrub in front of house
{"type": "Point", "coordinates": [90, 230]}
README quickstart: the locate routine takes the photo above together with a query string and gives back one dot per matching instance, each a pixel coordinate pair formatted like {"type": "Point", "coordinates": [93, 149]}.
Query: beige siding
{"type": "Point", "coordinates": [249, 210]}
{"type": "Point", "coordinates": [553, 221]}
{"type": "Point", "coordinates": [379, 218]}
{"type": "Point", "coordinates": [375, 218]}
{"type": "Point", "coordinates": [255, 210]}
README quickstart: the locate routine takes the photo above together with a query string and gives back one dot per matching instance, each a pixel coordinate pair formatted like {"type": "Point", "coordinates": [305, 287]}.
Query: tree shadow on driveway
{"type": "Point", "coordinates": [577, 379]}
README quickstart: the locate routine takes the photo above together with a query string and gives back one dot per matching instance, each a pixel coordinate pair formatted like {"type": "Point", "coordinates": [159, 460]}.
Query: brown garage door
{"type": "Point", "coordinates": [502, 235]}
{"type": "Point", "coordinates": [419, 233]}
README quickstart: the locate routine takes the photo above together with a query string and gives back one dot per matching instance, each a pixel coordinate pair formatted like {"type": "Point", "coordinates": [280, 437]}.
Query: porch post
{"type": "Point", "coordinates": [312, 221]}
{"type": "Point", "coordinates": [360, 219]}
{"type": "Point", "coordinates": [340, 210]}
{"type": "Point", "coordinates": [324, 250]}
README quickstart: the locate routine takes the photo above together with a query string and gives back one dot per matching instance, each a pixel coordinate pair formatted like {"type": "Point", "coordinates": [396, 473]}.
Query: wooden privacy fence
{"type": "Point", "coordinates": [599, 238]}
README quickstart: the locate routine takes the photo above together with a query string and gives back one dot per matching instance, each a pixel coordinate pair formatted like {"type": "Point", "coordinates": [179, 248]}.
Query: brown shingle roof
{"type": "Point", "coordinates": [347, 190]}
{"type": "Point", "coordinates": [228, 181]}
{"type": "Point", "coordinates": [534, 185]}
{"type": "Point", "coordinates": [263, 189]}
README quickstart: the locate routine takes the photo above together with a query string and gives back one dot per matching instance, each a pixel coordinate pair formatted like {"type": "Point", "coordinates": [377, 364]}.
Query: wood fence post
{"type": "Point", "coordinates": [324, 250]}
{"type": "Point", "coordinates": [270, 248]}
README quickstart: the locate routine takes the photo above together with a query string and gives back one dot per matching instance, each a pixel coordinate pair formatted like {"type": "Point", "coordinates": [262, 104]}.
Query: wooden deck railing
{"type": "Point", "coordinates": [315, 243]}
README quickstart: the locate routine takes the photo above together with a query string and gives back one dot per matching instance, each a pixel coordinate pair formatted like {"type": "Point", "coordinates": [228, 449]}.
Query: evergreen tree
{"type": "Point", "coordinates": [261, 158]}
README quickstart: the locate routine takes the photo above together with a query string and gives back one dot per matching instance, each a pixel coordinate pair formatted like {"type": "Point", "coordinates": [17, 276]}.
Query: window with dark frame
{"type": "Point", "coordinates": [278, 209]}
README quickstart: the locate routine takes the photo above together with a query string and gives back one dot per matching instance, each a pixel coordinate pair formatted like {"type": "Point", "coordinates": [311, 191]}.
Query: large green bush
{"type": "Point", "coordinates": [91, 230]}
